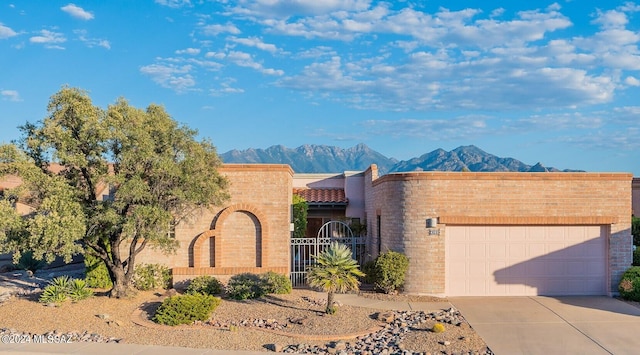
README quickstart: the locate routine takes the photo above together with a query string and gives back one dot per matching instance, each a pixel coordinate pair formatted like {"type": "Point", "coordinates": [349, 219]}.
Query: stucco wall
{"type": "Point", "coordinates": [405, 200]}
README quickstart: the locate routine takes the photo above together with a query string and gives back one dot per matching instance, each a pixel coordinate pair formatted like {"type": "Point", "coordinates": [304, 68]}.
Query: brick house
{"type": "Point", "coordinates": [504, 233]}
{"type": "Point", "coordinates": [465, 233]}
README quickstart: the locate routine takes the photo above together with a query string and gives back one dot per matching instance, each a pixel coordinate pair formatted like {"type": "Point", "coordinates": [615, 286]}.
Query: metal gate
{"type": "Point", "coordinates": [303, 250]}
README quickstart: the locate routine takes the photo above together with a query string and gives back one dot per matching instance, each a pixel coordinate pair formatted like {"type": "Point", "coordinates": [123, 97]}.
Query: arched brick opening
{"type": "Point", "coordinates": [216, 234]}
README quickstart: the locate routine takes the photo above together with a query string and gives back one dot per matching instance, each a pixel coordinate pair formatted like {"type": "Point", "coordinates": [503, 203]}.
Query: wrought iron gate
{"type": "Point", "coordinates": [303, 250]}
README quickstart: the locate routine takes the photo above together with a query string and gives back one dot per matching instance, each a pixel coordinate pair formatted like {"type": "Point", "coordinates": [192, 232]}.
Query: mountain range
{"type": "Point", "coordinates": [328, 159]}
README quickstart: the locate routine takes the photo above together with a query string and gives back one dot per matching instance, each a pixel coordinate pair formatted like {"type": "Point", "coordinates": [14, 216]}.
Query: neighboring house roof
{"type": "Point", "coordinates": [316, 196]}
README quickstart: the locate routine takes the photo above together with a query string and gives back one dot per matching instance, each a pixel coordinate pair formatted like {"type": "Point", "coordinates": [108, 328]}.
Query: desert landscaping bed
{"type": "Point", "coordinates": [287, 323]}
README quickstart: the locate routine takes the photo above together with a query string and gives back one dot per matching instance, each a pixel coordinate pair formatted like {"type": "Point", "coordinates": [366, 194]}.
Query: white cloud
{"type": "Point", "coordinates": [77, 12]}
{"type": "Point", "coordinates": [215, 55]}
{"type": "Point", "coordinates": [316, 52]}
{"type": "Point", "coordinates": [632, 81]}
{"type": "Point", "coordinates": [214, 30]}
{"type": "Point", "coordinates": [174, 3]}
{"type": "Point", "coordinates": [469, 59]}
{"type": "Point", "coordinates": [243, 59]}
{"type": "Point", "coordinates": [10, 95]}
{"type": "Point", "coordinates": [287, 8]}
{"type": "Point", "coordinates": [177, 78]}
{"type": "Point", "coordinates": [255, 42]}
{"type": "Point", "coordinates": [192, 51]}
{"type": "Point", "coordinates": [553, 122]}
{"type": "Point", "coordinates": [6, 32]}
{"type": "Point", "coordinates": [92, 42]}
{"type": "Point", "coordinates": [611, 19]}
{"type": "Point", "coordinates": [226, 87]}
{"type": "Point", "coordinates": [49, 39]}
{"type": "Point", "coordinates": [464, 127]}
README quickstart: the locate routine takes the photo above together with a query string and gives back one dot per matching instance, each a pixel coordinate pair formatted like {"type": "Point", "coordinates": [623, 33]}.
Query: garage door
{"type": "Point", "coordinates": [525, 260]}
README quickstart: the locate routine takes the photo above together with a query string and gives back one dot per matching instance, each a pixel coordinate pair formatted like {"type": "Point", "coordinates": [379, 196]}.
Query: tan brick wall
{"type": "Point", "coordinates": [406, 200]}
{"type": "Point", "coordinates": [250, 233]}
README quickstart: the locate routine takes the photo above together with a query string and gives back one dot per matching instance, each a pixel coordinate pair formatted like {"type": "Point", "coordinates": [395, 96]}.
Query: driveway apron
{"type": "Point", "coordinates": [553, 325]}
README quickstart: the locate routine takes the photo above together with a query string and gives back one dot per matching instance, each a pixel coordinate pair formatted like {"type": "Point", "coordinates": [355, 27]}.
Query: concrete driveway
{"type": "Point", "coordinates": [553, 325]}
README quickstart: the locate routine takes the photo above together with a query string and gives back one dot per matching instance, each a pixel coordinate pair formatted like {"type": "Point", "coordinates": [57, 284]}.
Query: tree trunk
{"type": "Point", "coordinates": [121, 282]}
{"type": "Point", "coordinates": [330, 308]}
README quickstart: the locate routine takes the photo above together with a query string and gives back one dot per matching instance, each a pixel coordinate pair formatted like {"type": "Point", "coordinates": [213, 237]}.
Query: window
{"type": "Point", "coordinates": [171, 229]}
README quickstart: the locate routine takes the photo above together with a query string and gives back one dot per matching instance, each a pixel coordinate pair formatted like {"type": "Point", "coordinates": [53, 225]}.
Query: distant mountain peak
{"type": "Point", "coordinates": [311, 158]}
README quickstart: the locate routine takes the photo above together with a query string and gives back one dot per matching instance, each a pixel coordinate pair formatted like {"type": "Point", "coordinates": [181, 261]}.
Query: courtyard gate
{"type": "Point", "coordinates": [303, 249]}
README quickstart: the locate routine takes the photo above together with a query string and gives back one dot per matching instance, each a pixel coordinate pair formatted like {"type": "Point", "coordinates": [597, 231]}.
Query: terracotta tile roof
{"type": "Point", "coordinates": [316, 196]}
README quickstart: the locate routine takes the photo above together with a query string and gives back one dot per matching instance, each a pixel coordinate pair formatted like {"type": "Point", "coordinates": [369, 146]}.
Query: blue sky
{"type": "Point", "coordinates": [555, 82]}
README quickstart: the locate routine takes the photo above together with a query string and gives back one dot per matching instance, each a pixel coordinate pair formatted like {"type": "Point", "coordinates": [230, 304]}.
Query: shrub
{"type": "Point", "coordinates": [438, 328]}
{"type": "Point", "coordinates": [369, 269]}
{"type": "Point", "coordinates": [276, 283]}
{"type": "Point", "coordinates": [246, 286]}
{"type": "Point", "coordinates": [28, 262]}
{"type": "Point", "coordinates": [185, 309]}
{"type": "Point", "coordinates": [636, 257]}
{"type": "Point", "coordinates": [635, 230]}
{"type": "Point", "coordinates": [53, 294]}
{"type": "Point", "coordinates": [78, 290]}
{"type": "Point", "coordinates": [629, 286]}
{"type": "Point", "coordinates": [390, 270]}
{"type": "Point", "coordinates": [96, 274]}
{"type": "Point", "coordinates": [151, 276]}
{"type": "Point", "coordinates": [63, 287]}
{"type": "Point", "coordinates": [206, 285]}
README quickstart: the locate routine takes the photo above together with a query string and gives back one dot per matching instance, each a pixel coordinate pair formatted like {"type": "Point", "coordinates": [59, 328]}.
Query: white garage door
{"type": "Point", "coordinates": [525, 260]}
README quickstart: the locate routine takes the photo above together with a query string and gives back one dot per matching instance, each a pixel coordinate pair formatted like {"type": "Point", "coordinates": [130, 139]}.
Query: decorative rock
{"type": "Point", "coordinates": [299, 320]}
{"type": "Point", "coordinates": [102, 316]}
{"type": "Point", "coordinates": [386, 317]}
{"type": "Point", "coordinates": [274, 347]}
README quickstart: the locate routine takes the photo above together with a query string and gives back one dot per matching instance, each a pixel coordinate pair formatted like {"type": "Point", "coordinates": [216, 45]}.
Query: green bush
{"type": "Point", "coordinates": [185, 309]}
{"type": "Point", "coordinates": [636, 257]}
{"type": "Point", "coordinates": [151, 276]}
{"type": "Point", "coordinates": [246, 286]}
{"type": "Point", "coordinates": [53, 294]}
{"type": "Point", "coordinates": [96, 274]}
{"type": "Point", "coordinates": [629, 286]}
{"type": "Point", "coordinates": [27, 262]}
{"type": "Point", "coordinates": [78, 290]}
{"type": "Point", "coordinates": [276, 283]}
{"type": "Point", "coordinates": [635, 230]}
{"type": "Point", "coordinates": [63, 287]}
{"type": "Point", "coordinates": [390, 270]}
{"type": "Point", "coordinates": [369, 269]}
{"type": "Point", "coordinates": [206, 285]}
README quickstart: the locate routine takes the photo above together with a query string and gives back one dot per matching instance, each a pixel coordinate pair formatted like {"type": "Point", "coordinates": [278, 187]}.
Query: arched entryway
{"type": "Point", "coordinates": [237, 240]}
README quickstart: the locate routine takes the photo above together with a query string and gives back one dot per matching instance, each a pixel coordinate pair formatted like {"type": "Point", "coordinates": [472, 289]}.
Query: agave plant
{"type": "Point", "coordinates": [335, 271]}
{"type": "Point", "coordinates": [63, 287]}
{"type": "Point", "coordinates": [78, 290]}
{"type": "Point", "coordinates": [56, 291]}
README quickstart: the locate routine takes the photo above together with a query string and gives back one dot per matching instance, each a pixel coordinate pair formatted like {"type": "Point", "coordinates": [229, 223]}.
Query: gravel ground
{"type": "Point", "coordinates": [288, 323]}
{"type": "Point", "coordinates": [112, 319]}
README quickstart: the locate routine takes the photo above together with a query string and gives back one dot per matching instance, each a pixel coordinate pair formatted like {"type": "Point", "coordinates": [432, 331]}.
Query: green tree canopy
{"type": "Point", "coordinates": [154, 169]}
{"type": "Point", "coordinates": [300, 210]}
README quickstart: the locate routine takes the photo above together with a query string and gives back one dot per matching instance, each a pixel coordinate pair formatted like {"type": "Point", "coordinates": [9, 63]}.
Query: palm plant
{"type": "Point", "coordinates": [335, 271]}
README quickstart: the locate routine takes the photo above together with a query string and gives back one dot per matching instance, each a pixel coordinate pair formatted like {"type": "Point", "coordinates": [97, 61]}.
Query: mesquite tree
{"type": "Point", "coordinates": [154, 170]}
